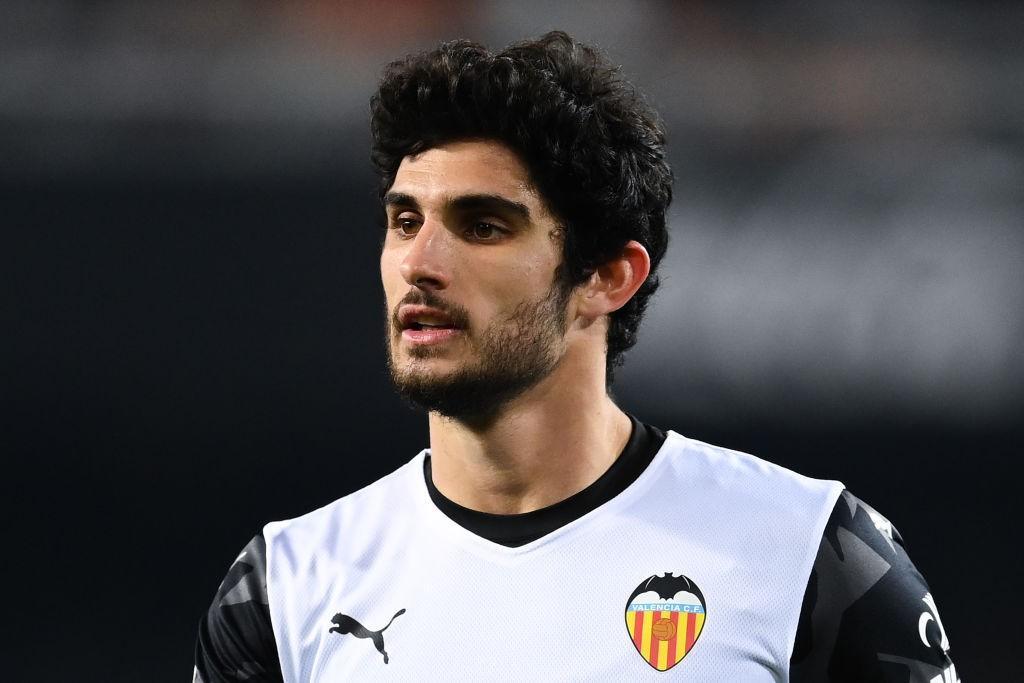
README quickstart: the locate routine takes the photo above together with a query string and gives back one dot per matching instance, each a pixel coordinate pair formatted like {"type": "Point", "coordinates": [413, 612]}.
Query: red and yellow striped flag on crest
{"type": "Point", "coordinates": [664, 637]}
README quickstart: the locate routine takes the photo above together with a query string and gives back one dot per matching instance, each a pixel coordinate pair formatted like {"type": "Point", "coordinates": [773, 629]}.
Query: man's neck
{"type": "Point", "coordinates": [551, 442]}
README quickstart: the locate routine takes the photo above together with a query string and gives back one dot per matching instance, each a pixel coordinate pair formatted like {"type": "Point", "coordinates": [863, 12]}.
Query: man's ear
{"type": "Point", "coordinates": [614, 283]}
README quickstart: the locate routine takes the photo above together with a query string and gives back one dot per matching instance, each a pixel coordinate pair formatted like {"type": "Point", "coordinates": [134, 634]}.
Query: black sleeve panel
{"type": "Point", "coordinates": [867, 616]}
{"type": "Point", "coordinates": [236, 640]}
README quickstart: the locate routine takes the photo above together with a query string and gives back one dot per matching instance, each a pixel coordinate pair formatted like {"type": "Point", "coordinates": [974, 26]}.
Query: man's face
{"type": "Point", "coordinates": [469, 263]}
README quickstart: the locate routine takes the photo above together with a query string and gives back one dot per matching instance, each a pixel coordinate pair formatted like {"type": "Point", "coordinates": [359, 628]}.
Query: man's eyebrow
{"type": "Point", "coordinates": [400, 199]}
{"type": "Point", "coordinates": [491, 202]}
{"type": "Point", "coordinates": [466, 202]}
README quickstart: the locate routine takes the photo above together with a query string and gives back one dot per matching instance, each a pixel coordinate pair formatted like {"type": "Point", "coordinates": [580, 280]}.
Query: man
{"type": "Point", "coordinates": [546, 534]}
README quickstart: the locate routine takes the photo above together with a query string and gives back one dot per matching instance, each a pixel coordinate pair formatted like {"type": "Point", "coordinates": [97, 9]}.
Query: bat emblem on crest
{"type": "Point", "coordinates": [664, 617]}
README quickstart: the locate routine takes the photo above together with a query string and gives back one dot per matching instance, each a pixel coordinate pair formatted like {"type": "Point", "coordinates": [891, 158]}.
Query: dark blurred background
{"type": "Point", "coordinates": [191, 309]}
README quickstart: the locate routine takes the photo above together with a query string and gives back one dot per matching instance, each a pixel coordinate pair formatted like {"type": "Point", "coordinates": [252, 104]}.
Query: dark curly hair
{"type": "Point", "coordinates": [593, 147]}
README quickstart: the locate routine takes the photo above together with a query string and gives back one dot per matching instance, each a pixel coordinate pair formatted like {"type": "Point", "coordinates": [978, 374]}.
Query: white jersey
{"type": "Point", "coordinates": [695, 571]}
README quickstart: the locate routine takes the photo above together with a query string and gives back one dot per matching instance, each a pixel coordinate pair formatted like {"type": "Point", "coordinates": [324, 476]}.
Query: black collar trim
{"type": "Point", "coordinates": [515, 530]}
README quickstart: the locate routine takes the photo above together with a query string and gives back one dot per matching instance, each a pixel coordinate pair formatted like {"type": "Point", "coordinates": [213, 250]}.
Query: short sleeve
{"type": "Point", "coordinates": [236, 639]}
{"type": "Point", "coordinates": [868, 614]}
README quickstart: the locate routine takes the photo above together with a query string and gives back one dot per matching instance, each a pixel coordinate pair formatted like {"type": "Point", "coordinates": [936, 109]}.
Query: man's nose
{"type": "Point", "coordinates": [426, 264]}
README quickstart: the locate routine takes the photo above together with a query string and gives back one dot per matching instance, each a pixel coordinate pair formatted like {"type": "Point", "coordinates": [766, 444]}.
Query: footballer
{"type": "Point", "coordinates": [545, 534]}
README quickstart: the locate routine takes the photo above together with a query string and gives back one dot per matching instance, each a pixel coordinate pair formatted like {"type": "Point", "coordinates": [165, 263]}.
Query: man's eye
{"type": "Point", "coordinates": [406, 227]}
{"type": "Point", "coordinates": [481, 230]}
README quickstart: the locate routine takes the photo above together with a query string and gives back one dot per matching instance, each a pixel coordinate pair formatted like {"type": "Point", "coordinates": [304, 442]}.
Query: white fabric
{"type": "Point", "coordinates": [745, 531]}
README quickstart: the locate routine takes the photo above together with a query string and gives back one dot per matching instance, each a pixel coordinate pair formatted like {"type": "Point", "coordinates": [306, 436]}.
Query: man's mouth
{"type": "Point", "coordinates": [425, 325]}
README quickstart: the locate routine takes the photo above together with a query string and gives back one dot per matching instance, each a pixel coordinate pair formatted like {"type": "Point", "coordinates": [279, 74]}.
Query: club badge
{"type": "Point", "coordinates": [664, 617]}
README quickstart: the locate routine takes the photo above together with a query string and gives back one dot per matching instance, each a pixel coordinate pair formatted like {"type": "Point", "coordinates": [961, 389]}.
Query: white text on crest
{"type": "Point", "coordinates": [665, 607]}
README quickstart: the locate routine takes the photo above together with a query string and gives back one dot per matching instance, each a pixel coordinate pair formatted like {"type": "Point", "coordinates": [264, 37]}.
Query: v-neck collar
{"type": "Point", "coordinates": [517, 530]}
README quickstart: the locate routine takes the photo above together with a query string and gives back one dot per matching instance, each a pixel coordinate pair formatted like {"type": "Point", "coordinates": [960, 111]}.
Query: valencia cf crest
{"type": "Point", "coordinates": [664, 617]}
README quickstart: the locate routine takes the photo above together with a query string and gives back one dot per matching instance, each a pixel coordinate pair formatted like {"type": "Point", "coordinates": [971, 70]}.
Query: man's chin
{"type": "Point", "coordinates": [431, 372]}
{"type": "Point", "coordinates": [449, 394]}
{"type": "Point", "coordinates": [427, 368]}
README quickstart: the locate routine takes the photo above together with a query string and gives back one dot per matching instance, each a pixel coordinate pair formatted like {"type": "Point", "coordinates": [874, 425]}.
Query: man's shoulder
{"type": "Point", "coordinates": [388, 493]}
{"type": "Point", "coordinates": [726, 469]}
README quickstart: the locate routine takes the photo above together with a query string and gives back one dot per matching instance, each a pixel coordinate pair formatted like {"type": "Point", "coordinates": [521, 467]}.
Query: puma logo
{"type": "Point", "coordinates": [346, 624]}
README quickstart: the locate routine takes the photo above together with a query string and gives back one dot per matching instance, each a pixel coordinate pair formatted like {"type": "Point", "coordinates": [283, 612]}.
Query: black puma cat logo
{"type": "Point", "coordinates": [346, 624]}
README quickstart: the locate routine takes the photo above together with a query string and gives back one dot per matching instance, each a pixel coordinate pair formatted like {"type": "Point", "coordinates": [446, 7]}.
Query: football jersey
{"type": "Point", "coordinates": [684, 561]}
{"type": "Point", "coordinates": [701, 563]}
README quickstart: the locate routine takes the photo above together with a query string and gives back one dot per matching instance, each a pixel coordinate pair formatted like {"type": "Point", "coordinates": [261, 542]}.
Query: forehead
{"type": "Point", "coordinates": [466, 167]}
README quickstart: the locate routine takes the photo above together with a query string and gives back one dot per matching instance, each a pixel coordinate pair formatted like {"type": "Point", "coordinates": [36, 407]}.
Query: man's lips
{"type": "Point", "coordinates": [425, 325]}
{"type": "Point", "coordinates": [429, 335]}
{"type": "Point", "coordinates": [413, 316]}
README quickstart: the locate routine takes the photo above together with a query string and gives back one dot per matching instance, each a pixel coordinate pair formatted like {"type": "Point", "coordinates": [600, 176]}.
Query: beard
{"type": "Point", "coordinates": [512, 355]}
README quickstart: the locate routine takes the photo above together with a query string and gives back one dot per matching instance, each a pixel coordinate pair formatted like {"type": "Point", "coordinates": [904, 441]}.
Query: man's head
{"type": "Point", "coordinates": [568, 171]}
